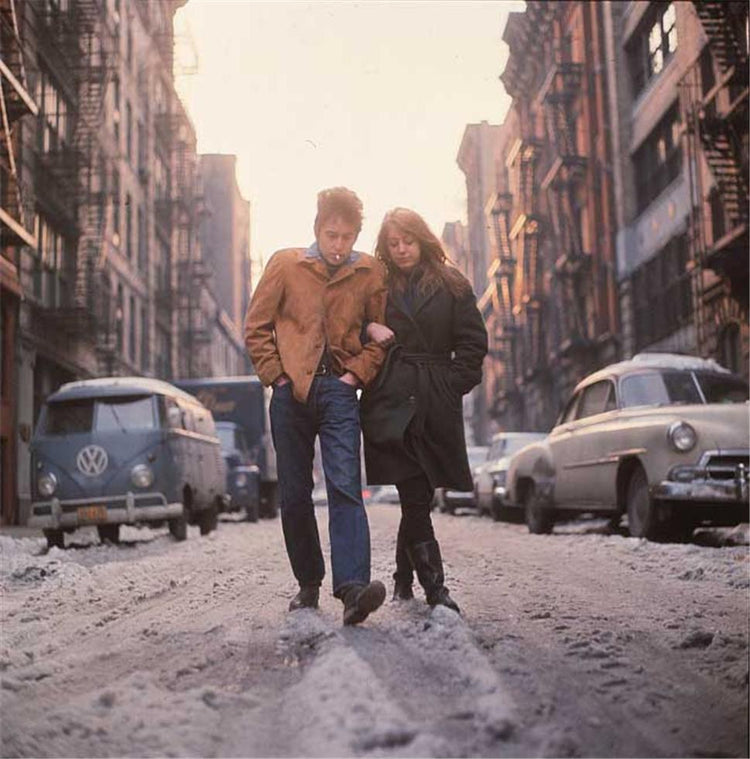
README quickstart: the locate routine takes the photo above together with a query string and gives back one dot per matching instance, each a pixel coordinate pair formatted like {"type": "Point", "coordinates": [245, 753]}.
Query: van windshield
{"type": "Point", "coordinates": [119, 413]}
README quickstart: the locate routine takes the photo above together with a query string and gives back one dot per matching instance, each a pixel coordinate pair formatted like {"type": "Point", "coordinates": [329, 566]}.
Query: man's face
{"type": "Point", "coordinates": [336, 239]}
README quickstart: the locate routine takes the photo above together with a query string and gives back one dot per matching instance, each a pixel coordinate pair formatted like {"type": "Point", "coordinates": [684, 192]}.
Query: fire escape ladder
{"type": "Point", "coordinates": [722, 149]}
{"type": "Point", "coordinates": [94, 69]}
{"type": "Point", "coordinates": [15, 102]}
{"type": "Point", "coordinates": [559, 92]}
{"type": "Point", "coordinates": [725, 26]}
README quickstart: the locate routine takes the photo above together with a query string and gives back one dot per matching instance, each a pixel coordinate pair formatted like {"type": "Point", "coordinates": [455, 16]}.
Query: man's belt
{"type": "Point", "coordinates": [326, 370]}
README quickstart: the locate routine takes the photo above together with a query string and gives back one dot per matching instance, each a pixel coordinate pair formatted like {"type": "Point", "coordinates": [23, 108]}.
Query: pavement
{"type": "Point", "coordinates": [17, 531]}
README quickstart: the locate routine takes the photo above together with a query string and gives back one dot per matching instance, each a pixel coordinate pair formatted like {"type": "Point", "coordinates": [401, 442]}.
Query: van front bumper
{"type": "Point", "coordinates": [130, 508]}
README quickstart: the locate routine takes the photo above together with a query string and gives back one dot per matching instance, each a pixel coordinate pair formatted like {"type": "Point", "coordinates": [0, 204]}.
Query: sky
{"type": "Point", "coordinates": [371, 95]}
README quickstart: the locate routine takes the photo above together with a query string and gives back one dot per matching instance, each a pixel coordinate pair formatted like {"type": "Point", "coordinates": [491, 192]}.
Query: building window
{"type": "Point", "coordinates": [130, 47]}
{"type": "Point", "coordinates": [730, 347]}
{"type": "Point", "coordinates": [53, 115]}
{"type": "Point", "coordinates": [129, 226]}
{"type": "Point", "coordinates": [119, 319]}
{"type": "Point", "coordinates": [662, 293]}
{"type": "Point", "coordinates": [132, 330]}
{"type": "Point", "coordinates": [658, 161]}
{"type": "Point", "coordinates": [144, 339]}
{"type": "Point", "coordinates": [142, 247]}
{"type": "Point", "coordinates": [129, 132]}
{"type": "Point", "coordinates": [116, 203]}
{"type": "Point", "coordinates": [55, 267]}
{"type": "Point", "coordinates": [142, 155]}
{"type": "Point", "coordinates": [652, 45]}
{"type": "Point", "coordinates": [162, 362]}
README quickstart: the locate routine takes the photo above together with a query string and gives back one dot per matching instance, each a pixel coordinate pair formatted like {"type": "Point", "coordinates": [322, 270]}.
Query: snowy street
{"type": "Point", "coordinates": [573, 644]}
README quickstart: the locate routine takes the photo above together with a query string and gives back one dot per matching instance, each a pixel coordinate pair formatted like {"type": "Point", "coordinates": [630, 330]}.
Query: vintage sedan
{"type": "Point", "coordinates": [662, 438]}
{"type": "Point", "coordinates": [490, 479]}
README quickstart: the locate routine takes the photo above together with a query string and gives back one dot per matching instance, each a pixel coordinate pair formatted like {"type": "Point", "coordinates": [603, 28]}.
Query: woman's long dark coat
{"type": "Point", "coordinates": [412, 414]}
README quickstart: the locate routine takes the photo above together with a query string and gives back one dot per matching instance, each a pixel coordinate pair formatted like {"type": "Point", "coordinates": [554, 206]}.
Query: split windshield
{"type": "Point", "coordinates": [120, 413]}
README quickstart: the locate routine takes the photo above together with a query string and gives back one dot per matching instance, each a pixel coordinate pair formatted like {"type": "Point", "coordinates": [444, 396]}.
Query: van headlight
{"type": "Point", "coordinates": [682, 436]}
{"type": "Point", "coordinates": [46, 484]}
{"type": "Point", "coordinates": [142, 476]}
{"type": "Point", "coordinates": [498, 479]}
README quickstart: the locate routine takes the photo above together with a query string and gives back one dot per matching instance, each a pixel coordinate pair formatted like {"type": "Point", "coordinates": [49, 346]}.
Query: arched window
{"type": "Point", "coordinates": [729, 348]}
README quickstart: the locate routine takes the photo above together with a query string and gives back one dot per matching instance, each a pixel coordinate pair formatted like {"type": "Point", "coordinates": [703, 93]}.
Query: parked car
{"type": "Point", "coordinates": [124, 450]}
{"type": "Point", "coordinates": [490, 478]}
{"type": "Point", "coordinates": [662, 438]}
{"type": "Point", "coordinates": [243, 474]}
{"type": "Point", "coordinates": [447, 500]}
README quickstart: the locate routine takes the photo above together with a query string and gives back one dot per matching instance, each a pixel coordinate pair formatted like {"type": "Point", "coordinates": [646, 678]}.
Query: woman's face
{"type": "Point", "coordinates": [403, 249]}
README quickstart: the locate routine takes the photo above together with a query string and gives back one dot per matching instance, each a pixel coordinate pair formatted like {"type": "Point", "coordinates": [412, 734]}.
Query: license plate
{"type": "Point", "coordinates": [92, 514]}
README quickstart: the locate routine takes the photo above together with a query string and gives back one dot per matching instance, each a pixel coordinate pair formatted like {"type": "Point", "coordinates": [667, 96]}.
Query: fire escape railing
{"type": "Point", "coordinates": [16, 214]}
{"type": "Point", "coordinates": [563, 181]}
{"type": "Point", "coordinates": [715, 111]}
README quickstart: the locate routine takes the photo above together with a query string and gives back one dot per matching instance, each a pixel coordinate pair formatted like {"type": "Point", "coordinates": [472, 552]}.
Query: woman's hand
{"type": "Point", "coordinates": [380, 334]}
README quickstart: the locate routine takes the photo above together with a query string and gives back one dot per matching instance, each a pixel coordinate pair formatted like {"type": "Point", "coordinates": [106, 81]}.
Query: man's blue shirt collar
{"type": "Point", "coordinates": [314, 252]}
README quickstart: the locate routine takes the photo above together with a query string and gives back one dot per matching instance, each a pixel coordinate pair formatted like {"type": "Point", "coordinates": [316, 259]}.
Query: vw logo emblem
{"type": "Point", "coordinates": [92, 460]}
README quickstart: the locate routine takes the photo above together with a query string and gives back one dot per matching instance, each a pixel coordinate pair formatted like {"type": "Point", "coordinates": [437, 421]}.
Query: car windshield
{"type": "Point", "coordinates": [672, 387]}
{"type": "Point", "coordinates": [123, 414]}
{"type": "Point", "coordinates": [507, 446]}
{"type": "Point", "coordinates": [477, 455]}
{"type": "Point", "coordinates": [722, 388]}
{"type": "Point", "coordinates": [226, 437]}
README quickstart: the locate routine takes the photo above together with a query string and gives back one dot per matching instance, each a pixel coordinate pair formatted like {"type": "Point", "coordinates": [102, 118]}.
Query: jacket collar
{"type": "Point", "coordinates": [418, 300]}
{"type": "Point", "coordinates": [312, 259]}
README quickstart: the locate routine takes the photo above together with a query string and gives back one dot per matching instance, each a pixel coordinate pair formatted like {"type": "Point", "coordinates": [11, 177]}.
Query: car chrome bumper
{"type": "Point", "coordinates": [459, 496]}
{"type": "Point", "coordinates": [703, 490]}
{"type": "Point", "coordinates": [127, 509]}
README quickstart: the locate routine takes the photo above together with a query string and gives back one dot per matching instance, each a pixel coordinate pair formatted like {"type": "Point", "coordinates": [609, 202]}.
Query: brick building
{"type": "Point", "coordinates": [618, 221]}
{"type": "Point", "coordinates": [680, 71]}
{"type": "Point", "coordinates": [104, 253]}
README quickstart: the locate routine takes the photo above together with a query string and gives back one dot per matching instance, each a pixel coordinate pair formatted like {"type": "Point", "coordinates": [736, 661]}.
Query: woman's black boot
{"type": "Point", "coordinates": [429, 567]}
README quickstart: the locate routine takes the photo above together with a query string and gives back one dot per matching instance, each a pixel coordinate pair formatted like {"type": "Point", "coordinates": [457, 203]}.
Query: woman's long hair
{"type": "Point", "coordinates": [433, 261]}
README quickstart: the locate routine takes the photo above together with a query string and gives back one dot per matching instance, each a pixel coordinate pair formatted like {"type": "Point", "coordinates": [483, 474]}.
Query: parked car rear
{"type": "Point", "coordinates": [448, 500]}
{"type": "Point", "coordinates": [490, 479]}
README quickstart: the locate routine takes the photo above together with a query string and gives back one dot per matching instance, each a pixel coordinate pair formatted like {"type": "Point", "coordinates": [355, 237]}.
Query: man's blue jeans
{"type": "Point", "coordinates": [332, 413]}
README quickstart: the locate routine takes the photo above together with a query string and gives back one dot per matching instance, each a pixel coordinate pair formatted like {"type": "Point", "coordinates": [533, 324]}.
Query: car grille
{"type": "Point", "coordinates": [724, 466]}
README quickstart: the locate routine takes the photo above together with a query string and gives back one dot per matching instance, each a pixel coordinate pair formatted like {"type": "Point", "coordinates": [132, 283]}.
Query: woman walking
{"type": "Point", "coordinates": [412, 415]}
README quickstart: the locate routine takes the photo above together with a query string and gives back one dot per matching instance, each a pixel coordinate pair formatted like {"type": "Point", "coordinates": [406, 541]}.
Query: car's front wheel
{"type": "Point", "coordinates": [178, 528]}
{"type": "Point", "coordinates": [540, 518]}
{"type": "Point", "coordinates": [55, 538]}
{"type": "Point", "coordinates": [209, 518]}
{"type": "Point", "coordinates": [643, 516]}
{"type": "Point", "coordinates": [109, 533]}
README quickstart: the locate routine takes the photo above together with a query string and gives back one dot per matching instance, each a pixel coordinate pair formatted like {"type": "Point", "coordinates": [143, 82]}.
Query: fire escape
{"type": "Point", "coordinates": [715, 108]}
{"type": "Point", "coordinates": [502, 274]}
{"type": "Point", "coordinates": [75, 180]}
{"type": "Point", "coordinates": [528, 294]}
{"type": "Point", "coordinates": [564, 182]}
{"type": "Point", "coordinates": [16, 213]}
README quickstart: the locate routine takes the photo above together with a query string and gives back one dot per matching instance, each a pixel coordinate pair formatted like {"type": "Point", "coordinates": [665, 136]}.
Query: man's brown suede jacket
{"type": "Point", "coordinates": [296, 307]}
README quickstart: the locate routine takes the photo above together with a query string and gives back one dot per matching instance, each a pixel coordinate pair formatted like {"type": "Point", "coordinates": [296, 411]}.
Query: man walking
{"type": "Point", "coordinates": [302, 331]}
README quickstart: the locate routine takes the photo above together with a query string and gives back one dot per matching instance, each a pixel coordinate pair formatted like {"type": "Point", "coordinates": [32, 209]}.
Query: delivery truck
{"type": "Point", "coordinates": [240, 408]}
